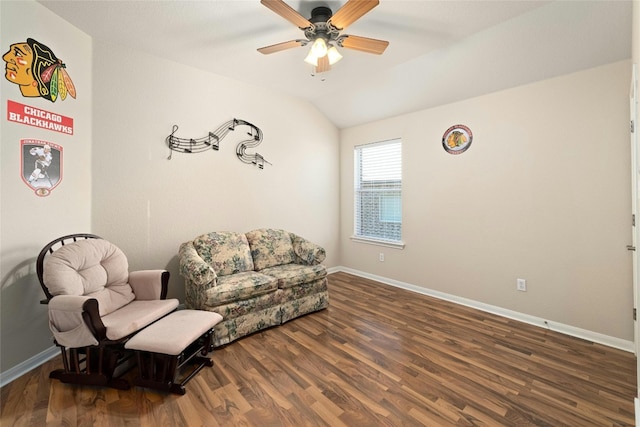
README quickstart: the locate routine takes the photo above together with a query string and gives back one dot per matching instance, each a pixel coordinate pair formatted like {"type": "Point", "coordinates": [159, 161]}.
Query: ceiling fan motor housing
{"type": "Point", "coordinates": [321, 27]}
{"type": "Point", "coordinates": [320, 14]}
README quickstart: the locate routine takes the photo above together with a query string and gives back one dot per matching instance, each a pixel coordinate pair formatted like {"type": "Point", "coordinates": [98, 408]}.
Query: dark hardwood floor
{"type": "Point", "coordinates": [378, 356]}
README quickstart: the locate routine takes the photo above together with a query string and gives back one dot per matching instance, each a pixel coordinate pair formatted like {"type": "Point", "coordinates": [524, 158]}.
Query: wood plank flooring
{"type": "Point", "coordinates": [378, 356]}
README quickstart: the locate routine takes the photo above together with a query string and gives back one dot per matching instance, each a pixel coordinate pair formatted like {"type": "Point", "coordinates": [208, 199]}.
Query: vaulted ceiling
{"type": "Point", "coordinates": [439, 52]}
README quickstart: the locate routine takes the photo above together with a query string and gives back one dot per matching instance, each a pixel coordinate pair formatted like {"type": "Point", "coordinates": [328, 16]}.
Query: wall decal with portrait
{"type": "Point", "coordinates": [37, 71]}
{"type": "Point", "coordinates": [40, 165]}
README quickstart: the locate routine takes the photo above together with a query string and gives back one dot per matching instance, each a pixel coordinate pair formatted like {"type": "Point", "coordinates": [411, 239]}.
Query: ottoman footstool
{"type": "Point", "coordinates": [163, 348]}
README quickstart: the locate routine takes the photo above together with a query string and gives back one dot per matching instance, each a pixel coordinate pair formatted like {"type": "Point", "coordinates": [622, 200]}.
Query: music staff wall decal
{"type": "Point", "coordinates": [212, 141]}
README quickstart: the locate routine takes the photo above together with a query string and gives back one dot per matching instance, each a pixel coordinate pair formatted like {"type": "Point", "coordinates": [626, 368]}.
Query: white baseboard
{"type": "Point", "coordinates": [532, 320]}
{"type": "Point", "coordinates": [33, 362]}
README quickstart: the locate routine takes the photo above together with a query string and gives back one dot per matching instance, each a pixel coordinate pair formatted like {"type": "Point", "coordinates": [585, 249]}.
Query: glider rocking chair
{"type": "Point", "coordinates": [95, 305]}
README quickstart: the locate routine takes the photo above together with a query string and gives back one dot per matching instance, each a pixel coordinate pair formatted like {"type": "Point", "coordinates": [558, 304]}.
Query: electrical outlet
{"type": "Point", "coordinates": [381, 258]}
{"type": "Point", "coordinates": [521, 285]}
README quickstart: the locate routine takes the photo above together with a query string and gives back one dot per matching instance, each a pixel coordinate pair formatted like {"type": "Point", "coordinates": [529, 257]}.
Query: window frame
{"type": "Point", "coordinates": [389, 187]}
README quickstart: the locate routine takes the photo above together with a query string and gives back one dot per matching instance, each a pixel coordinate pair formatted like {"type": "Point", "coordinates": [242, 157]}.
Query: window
{"type": "Point", "coordinates": [378, 192]}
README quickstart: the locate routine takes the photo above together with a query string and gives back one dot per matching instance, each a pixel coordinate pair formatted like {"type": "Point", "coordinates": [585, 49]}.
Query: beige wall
{"type": "Point", "coordinates": [149, 205]}
{"type": "Point", "coordinates": [119, 184]}
{"type": "Point", "coordinates": [543, 194]}
{"type": "Point", "coordinates": [636, 32]}
{"type": "Point", "coordinates": [28, 222]}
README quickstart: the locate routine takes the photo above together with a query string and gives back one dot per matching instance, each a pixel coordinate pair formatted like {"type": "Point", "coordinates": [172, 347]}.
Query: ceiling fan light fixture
{"type": "Point", "coordinates": [334, 55]}
{"type": "Point", "coordinates": [319, 47]}
{"type": "Point", "coordinates": [311, 59]}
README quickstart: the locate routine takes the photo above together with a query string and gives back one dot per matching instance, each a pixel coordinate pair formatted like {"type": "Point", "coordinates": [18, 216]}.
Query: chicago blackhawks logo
{"type": "Point", "coordinates": [37, 71]}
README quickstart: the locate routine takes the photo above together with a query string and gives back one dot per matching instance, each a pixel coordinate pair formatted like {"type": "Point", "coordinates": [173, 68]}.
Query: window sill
{"type": "Point", "coordinates": [379, 242]}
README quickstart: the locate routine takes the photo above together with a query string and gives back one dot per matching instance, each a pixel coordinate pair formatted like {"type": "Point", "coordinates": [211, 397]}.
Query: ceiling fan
{"type": "Point", "coordinates": [323, 29]}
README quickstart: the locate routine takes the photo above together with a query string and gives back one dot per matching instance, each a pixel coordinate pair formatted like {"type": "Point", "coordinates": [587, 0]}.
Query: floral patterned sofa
{"type": "Point", "coordinates": [254, 280]}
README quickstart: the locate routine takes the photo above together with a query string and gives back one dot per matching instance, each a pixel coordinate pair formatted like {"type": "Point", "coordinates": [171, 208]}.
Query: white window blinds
{"type": "Point", "coordinates": [378, 191]}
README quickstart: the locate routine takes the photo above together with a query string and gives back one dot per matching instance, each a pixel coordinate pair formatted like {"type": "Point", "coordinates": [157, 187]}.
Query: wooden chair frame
{"type": "Point", "coordinates": [103, 364]}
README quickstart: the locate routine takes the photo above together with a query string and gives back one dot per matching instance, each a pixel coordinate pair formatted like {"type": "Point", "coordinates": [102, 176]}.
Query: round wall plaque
{"type": "Point", "coordinates": [457, 139]}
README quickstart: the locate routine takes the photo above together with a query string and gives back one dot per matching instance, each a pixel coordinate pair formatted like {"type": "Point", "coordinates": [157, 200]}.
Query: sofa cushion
{"type": "Point", "coordinates": [95, 268]}
{"type": "Point", "coordinates": [227, 252]}
{"type": "Point", "coordinates": [295, 274]}
{"type": "Point", "coordinates": [300, 291]}
{"type": "Point", "coordinates": [240, 286]}
{"type": "Point", "coordinates": [234, 309]}
{"type": "Point", "coordinates": [270, 247]}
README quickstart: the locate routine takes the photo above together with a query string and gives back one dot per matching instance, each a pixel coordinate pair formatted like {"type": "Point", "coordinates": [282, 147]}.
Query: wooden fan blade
{"type": "Point", "coordinates": [280, 46]}
{"type": "Point", "coordinates": [287, 12]}
{"type": "Point", "coordinates": [323, 65]}
{"type": "Point", "coordinates": [351, 12]}
{"type": "Point", "coordinates": [365, 44]}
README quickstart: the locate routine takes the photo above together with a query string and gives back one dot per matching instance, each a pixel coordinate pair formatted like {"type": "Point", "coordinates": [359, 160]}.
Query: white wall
{"type": "Point", "coordinates": [28, 222]}
{"type": "Point", "coordinates": [149, 205]}
{"type": "Point", "coordinates": [541, 194]}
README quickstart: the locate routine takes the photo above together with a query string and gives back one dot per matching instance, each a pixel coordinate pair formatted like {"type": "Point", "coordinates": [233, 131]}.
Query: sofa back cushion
{"type": "Point", "coordinates": [95, 268]}
{"type": "Point", "coordinates": [270, 248]}
{"type": "Point", "coordinates": [226, 252]}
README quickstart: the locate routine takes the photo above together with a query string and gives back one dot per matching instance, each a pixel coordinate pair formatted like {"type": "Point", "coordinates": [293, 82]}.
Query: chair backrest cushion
{"type": "Point", "coordinates": [270, 247]}
{"type": "Point", "coordinates": [95, 268]}
{"type": "Point", "coordinates": [227, 252]}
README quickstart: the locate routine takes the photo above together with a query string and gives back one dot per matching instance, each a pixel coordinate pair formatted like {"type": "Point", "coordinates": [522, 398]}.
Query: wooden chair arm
{"type": "Point", "coordinates": [91, 316]}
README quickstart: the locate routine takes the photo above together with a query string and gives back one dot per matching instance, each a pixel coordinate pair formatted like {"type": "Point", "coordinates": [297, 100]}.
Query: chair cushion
{"type": "Point", "coordinates": [270, 247]}
{"type": "Point", "coordinates": [226, 252]}
{"type": "Point", "coordinates": [95, 268]}
{"type": "Point", "coordinates": [135, 316]}
{"type": "Point", "coordinates": [240, 286]}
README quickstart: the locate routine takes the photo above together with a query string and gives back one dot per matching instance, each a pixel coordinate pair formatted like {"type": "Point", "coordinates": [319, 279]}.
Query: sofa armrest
{"type": "Point", "coordinates": [306, 251]}
{"type": "Point", "coordinates": [194, 268]}
{"type": "Point", "coordinates": [71, 319]}
{"type": "Point", "coordinates": [149, 284]}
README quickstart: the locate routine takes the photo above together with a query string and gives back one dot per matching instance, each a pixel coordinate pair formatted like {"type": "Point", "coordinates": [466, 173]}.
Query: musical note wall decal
{"type": "Point", "coordinates": [212, 141]}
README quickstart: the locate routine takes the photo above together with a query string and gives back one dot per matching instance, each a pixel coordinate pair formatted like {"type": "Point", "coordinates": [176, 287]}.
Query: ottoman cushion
{"type": "Point", "coordinates": [175, 332]}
